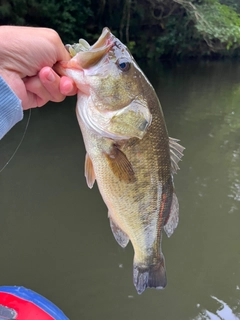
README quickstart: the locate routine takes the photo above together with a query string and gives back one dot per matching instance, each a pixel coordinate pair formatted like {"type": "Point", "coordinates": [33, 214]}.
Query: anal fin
{"type": "Point", "coordinates": [119, 235]}
{"type": "Point", "coordinates": [173, 218]}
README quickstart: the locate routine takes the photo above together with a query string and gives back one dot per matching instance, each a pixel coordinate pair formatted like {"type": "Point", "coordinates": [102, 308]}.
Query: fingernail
{"type": "Point", "coordinates": [50, 76]}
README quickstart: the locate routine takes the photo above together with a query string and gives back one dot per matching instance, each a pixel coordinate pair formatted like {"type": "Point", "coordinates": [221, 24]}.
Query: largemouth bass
{"type": "Point", "coordinates": [129, 152]}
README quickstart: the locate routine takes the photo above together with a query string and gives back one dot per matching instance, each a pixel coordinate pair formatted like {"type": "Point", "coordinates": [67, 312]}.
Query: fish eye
{"type": "Point", "coordinates": [123, 64]}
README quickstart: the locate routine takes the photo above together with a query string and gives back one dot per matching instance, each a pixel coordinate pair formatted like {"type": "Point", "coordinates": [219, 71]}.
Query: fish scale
{"type": "Point", "coordinates": [129, 152]}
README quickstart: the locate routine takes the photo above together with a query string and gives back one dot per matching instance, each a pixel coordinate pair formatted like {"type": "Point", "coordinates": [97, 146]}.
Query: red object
{"type": "Point", "coordinates": [26, 310]}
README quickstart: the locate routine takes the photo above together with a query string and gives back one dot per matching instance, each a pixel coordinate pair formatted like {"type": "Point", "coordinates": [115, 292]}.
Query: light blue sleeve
{"type": "Point", "coordinates": [11, 110]}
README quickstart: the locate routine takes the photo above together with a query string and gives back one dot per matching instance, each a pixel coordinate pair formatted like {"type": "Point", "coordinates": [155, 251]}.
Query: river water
{"type": "Point", "coordinates": [54, 233]}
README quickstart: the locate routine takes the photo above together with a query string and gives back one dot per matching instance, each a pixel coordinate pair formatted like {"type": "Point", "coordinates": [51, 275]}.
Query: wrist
{"type": "Point", "coordinates": [10, 108]}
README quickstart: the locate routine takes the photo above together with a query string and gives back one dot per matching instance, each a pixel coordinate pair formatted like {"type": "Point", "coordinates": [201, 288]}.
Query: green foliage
{"type": "Point", "coordinates": [198, 28]}
{"type": "Point", "coordinates": [177, 42]}
{"type": "Point", "coordinates": [67, 17]}
{"type": "Point", "coordinates": [152, 29]}
{"type": "Point", "coordinates": [13, 12]}
{"type": "Point", "coordinates": [218, 24]}
{"type": "Point", "coordinates": [232, 3]}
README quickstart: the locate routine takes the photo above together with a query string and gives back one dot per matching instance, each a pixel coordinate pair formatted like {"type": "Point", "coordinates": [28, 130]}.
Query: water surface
{"type": "Point", "coordinates": [54, 232]}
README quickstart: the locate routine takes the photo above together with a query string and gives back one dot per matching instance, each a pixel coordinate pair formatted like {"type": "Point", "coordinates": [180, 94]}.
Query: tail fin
{"type": "Point", "coordinates": [153, 276]}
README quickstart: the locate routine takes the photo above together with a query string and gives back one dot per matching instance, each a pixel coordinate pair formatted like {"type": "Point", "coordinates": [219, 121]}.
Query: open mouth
{"type": "Point", "coordinates": [86, 55]}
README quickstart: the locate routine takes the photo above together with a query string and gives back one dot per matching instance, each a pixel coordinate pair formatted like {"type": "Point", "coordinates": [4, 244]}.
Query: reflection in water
{"type": "Point", "coordinates": [223, 312]}
{"type": "Point", "coordinates": [230, 134]}
{"type": "Point", "coordinates": [54, 232]}
{"type": "Point", "coordinates": [234, 177]}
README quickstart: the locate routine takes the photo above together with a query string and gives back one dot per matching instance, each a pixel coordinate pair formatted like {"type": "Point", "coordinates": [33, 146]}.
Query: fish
{"type": "Point", "coordinates": [128, 151]}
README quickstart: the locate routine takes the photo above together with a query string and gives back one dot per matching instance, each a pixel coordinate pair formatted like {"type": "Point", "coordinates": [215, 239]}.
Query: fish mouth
{"type": "Point", "coordinates": [86, 55]}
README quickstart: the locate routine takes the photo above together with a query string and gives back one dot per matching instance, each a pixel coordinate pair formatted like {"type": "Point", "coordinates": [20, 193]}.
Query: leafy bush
{"type": "Point", "coordinates": [67, 17]}
{"type": "Point", "coordinates": [152, 29]}
{"type": "Point", "coordinates": [215, 21]}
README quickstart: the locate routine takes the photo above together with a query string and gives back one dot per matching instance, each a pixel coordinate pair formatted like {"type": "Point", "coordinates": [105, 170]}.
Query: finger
{"type": "Point", "coordinates": [51, 82]}
{"type": "Point", "coordinates": [62, 54]}
{"type": "Point", "coordinates": [30, 102]}
{"type": "Point", "coordinates": [67, 86]}
{"type": "Point", "coordinates": [34, 86]}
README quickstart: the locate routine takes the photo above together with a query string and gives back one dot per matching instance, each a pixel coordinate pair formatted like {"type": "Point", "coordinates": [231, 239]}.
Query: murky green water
{"type": "Point", "coordinates": [54, 232]}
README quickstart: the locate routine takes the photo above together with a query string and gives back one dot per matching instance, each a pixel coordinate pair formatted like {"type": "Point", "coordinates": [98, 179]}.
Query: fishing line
{"type": "Point", "coordinates": [18, 146]}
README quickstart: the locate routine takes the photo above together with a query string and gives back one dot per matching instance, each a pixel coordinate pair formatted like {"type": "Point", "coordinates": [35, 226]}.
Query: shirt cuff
{"type": "Point", "coordinates": [11, 110]}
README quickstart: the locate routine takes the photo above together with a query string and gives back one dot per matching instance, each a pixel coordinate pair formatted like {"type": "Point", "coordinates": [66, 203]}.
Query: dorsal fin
{"type": "Point", "coordinates": [176, 153]}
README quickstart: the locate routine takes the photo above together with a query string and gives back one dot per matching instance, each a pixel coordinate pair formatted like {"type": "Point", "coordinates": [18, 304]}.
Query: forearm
{"type": "Point", "coordinates": [11, 110]}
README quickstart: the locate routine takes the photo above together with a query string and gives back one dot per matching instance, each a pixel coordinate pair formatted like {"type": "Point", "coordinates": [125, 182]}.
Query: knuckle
{"type": "Point", "coordinates": [53, 36]}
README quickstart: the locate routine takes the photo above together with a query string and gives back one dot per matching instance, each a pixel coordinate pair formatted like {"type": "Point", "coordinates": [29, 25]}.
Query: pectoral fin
{"type": "Point", "coordinates": [173, 218]}
{"type": "Point", "coordinates": [176, 153]}
{"type": "Point", "coordinates": [120, 165]}
{"type": "Point", "coordinates": [131, 121]}
{"type": "Point", "coordinates": [89, 171]}
{"type": "Point", "coordinates": [120, 236]}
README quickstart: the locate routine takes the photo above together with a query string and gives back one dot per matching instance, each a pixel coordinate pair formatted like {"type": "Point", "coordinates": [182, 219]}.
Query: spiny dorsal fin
{"type": "Point", "coordinates": [119, 235]}
{"type": "Point", "coordinates": [89, 171]}
{"type": "Point", "coordinates": [120, 165]}
{"type": "Point", "coordinates": [176, 153]}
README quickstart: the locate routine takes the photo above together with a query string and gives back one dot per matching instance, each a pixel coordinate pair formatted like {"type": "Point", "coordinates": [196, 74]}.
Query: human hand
{"type": "Point", "coordinates": [27, 56]}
